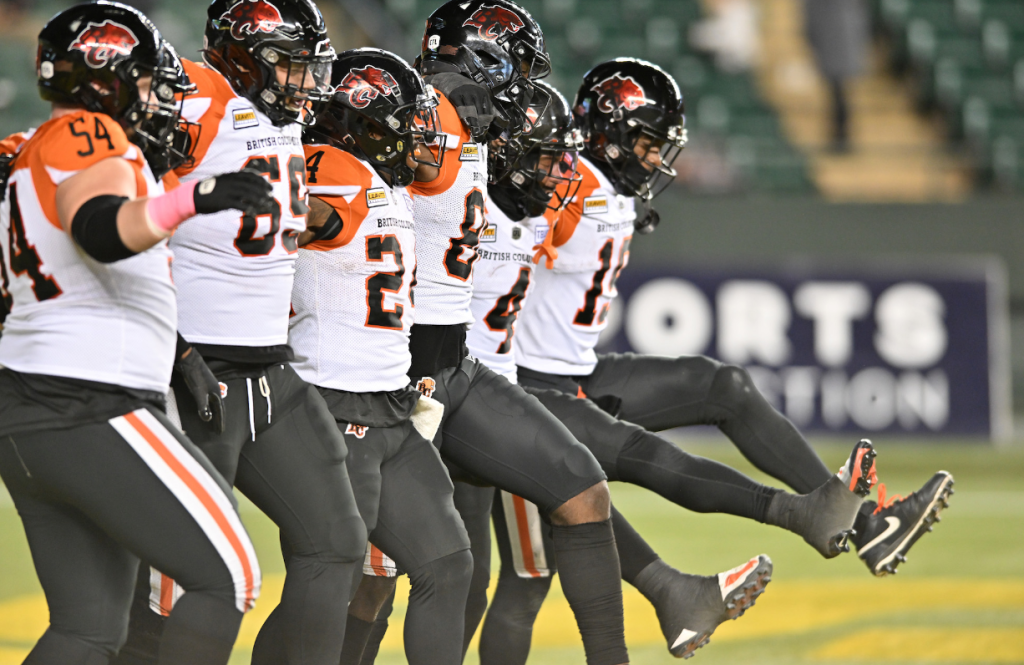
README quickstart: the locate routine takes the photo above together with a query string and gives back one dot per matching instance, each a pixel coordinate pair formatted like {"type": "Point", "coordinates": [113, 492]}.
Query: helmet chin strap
{"type": "Point", "coordinates": [648, 220]}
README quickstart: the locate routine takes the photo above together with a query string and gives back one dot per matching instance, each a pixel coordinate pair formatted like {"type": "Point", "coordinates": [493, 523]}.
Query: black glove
{"type": "Point", "coordinates": [244, 190]}
{"type": "Point", "coordinates": [471, 100]}
{"type": "Point", "coordinates": [202, 384]}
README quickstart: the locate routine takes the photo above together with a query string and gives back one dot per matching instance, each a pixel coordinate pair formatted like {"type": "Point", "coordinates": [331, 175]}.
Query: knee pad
{"type": "Point", "coordinates": [644, 451]}
{"type": "Point", "coordinates": [732, 389]}
{"type": "Point", "coordinates": [451, 573]}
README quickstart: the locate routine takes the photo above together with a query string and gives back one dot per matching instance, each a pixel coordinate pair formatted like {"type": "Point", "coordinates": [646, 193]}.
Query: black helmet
{"type": "Point", "coordinates": [494, 42]}
{"type": "Point", "coordinates": [247, 40]}
{"type": "Point", "coordinates": [543, 174]}
{"type": "Point", "coordinates": [621, 101]}
{"type": "Point", "coordinates": [93, 56]}
{"type": "Point", "coordinates": [381, 110]}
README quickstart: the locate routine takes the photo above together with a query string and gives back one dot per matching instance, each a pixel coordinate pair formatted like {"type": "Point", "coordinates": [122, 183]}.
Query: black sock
{"type": "Point", "coordinates": [695, 483]}
{"type": "Point", "coordinates": [634, 552]}
{"type": "Point", "coordinates": [588, 567]}
{"type": "Point", "coordinates": [377, 632]}
{"type": "Point", "coordinates": [508, 628]}
{"type": "Point", "coordinates": [357, 632]}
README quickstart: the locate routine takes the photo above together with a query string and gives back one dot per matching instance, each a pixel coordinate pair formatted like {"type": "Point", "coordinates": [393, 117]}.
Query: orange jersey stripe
{"type": "Point", "coordinates": [338, 168]}
{"type": "Point", "coordinates": [570, 217]}
{"type": "Point", "coordinates": [450, 124]}
{"type": "Point", "coordinates": [166, 595]}
{"type": "Point", "coordinates": [72, 143]}
{"type": "Point", "coordinates": [523, 527]}
{"type": "Point", "coordinates": [212, 84]}
{"type": "Point", "coordinates": [377, 561]}
{"type": "Point", "coordinates": [204, 497]}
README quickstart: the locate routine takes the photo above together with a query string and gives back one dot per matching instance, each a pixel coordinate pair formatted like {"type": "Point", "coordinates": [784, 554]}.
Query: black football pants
{"type": "Point", "coordinates": [406, 499]}
{"type": "Point", "coordinates": [282, 449]}
{"type": "Point", "coordinates": [495, 432]}
{"type": "Point", "coordinates": [95, 498]}
{"type": "Point", "coordinates": [659, 393]}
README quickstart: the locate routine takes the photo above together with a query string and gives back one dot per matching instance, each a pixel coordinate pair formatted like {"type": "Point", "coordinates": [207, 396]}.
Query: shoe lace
{"type": "Point", "coordinates": [886, 501]}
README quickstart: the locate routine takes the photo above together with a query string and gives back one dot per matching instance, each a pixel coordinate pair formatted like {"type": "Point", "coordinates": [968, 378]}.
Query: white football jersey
{"type": "Point", "coordinates": [72, 316]}
{"type": "Point", "coordinates": [500, 287]}
{"type": "Point", "coordinates": [233, 273]}
{"type": "Point", "coordinates": [568, 307]}
{"type": "Point", "coordinates": [352, 298]}
{"type": "Point", "coordinates": [449, 218]}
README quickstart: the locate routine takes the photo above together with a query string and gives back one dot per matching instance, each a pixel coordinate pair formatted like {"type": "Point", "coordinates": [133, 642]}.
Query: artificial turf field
{"type": "Point", "coordinates": [958, 599]}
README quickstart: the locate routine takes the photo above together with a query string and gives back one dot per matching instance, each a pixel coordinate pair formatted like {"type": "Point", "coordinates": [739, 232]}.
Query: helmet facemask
{"type": "Point", "coordinates": [642, 156]}
{"type": "Point", "coordinates": [154, 122]}
{"type": "Point", "coordinates": [547, 177]}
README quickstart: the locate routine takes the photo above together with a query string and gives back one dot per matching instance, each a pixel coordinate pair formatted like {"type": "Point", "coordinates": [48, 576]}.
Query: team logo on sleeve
{"type": "Point", "coordinates": [250, 17]}
{"type": "Point", "coordinates": [358, 431]}
{"type": "Point", "coordinates": [102, 41]}
{"type": "Point", "coordinates": [493, 22]}
{"type": "Point", "coordinates": [364, 85]}
{"type": "Point", "coordinates": [617, 92]}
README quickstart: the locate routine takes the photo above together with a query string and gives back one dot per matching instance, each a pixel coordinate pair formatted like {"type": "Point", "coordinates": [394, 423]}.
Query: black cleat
{"type": "Point", "coordinates": [859, 473]}
{"type": "Point", "coordinates": [897, 524]}
{"type": "Point", "coordinates": [691, 607]}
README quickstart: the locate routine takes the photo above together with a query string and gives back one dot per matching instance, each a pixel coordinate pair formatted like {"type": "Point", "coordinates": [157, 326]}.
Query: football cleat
{"type": "Point", "coordinates": [824, 518]}
{"type": "Point", "coordinates": [691, 607]}
{"type": "Point", "coordinates": [859, 473]}
{"type": "Point", "coordinates": [898, 522]}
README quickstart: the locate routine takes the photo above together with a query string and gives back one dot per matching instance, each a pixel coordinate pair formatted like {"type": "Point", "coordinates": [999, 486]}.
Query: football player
{"type": "Point", "coordinates": [482, 56]}
{"type": "Point", "coordinates": [526, 196]}
{"type": "Point", "coordinates": [631, 115]}
{"type": "Point", "coordinates": [353, 308]}
{"type": "Point", "coordinates": [267, 70]}
{"type": "Point", "coordinates": [99, 475]}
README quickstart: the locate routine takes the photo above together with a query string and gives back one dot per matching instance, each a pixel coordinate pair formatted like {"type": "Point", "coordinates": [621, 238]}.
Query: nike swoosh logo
{"type": "Point", "coordinates": [683, 636]}
{"type": "Point", "coordinates": [894, 524]}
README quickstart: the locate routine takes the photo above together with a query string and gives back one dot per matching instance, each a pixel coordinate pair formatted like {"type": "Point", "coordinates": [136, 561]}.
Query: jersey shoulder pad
{"type": "Point", "coordinates": [76, 141]}
{"type": "Point", "coordinates": [587, 196]}
{"type": "Point", "coordinates": [333, 171]}
{"type": "Point", "coordinates": [457, 138]}
{"type": "Point", "coordinates": [205, 107]}
{"type": "Point", "coordinates": [209, 83]}
{"type": "Point", "coordinates": [12, 144]}
{"type": "Point", "coordinates": [344, 182]}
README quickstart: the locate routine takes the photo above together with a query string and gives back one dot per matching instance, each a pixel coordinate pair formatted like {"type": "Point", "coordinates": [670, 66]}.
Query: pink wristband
{"type": "Point", "coordinates": [168, 210]}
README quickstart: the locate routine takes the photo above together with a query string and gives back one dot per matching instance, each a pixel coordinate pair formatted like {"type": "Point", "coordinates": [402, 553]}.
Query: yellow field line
{"type": "Point", "coordinates": [787, 608]}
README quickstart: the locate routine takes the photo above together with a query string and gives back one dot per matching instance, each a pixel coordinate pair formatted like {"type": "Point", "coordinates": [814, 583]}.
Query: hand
{"type": "Point", "coordinates": [204, 387]}
{"type": "Point", "coordinates": [244, 190]}
{"type": "Point", "coordinates": [471, 100]}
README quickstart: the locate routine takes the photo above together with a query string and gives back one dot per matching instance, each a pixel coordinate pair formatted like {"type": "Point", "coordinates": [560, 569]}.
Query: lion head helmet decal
{"type": "Point", "coordinates": [493, 21]}
{"type": "Point", "coordinates": [249, 17]}
{"type": "Point", "coordinates": [618, 92]}
{"type": "Point", "coordinates": [102, 41]}
{"type": "Point", "coordinates": [364, 85]}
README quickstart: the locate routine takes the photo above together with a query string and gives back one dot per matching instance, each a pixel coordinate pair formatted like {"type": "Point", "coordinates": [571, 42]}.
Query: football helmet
{"type": "Point", "coordinates": [542, 173]}
{"type": "Point", "coordinates": [495, 43]}
{"type": "Point", "coordinates": [96, 55]}
{"type": "Point", "coordinates": [383, 112]}
{"type": "Point", "coordinates": [633, 121]}
{"type": "Point", "coordinates": [275, 53]}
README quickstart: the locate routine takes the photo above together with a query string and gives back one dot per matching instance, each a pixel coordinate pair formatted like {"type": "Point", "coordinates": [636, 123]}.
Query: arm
{"type": "Point", "coordinates": [322, 222]}
{"type": "Point", "coordinates": [100, 208]}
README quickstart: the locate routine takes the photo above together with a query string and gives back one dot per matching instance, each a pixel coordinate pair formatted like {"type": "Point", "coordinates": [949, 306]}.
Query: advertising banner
{"type": "Point", "coordinates": [895, 347]}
